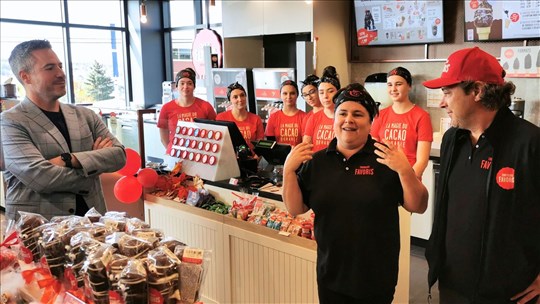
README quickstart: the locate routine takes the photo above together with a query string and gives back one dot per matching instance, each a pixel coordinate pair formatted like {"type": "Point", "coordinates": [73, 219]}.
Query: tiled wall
{"type": "Point", "coordinates": [526, 88]}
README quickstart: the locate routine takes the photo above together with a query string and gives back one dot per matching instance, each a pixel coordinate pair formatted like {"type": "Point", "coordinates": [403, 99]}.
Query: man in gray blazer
{"type": "Point", "coordinates": [53, 152]}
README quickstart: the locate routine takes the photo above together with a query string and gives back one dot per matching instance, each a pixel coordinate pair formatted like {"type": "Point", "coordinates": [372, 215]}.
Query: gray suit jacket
{"type": "Point", "coordinates": [34, 184]}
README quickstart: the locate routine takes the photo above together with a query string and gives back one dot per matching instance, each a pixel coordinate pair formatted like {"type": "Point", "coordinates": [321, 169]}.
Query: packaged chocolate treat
{"type": "Point", "coordinates": [114, 238]}
{"type": "Point", "coordinates": [134, 247]}
{"type": "Point", "coordinates": [81, 245]}
{"type": "Point", "coordinates": [191, 276]}
{"type": "Point", "coordinates": [171, 243]}
{"type": "Point", "coordinates": [70, 221]}
{"type": "Point", "coordinates": [117, 264]}
{"type": "Point", "coordinates": [115, 221]}
{"type": "Point", "coordinates": [28, 227]}
{"type": "Point", "coordinates": [192, 271]}
{"type": "Point", "coordinates": [95, 275]}
{"type": "Point", "coordinates": [179, 251]}
{"type": "Point", "coordinates": [100, 231]}
{"type": "Point", "coordinates": [59, 218]}
{"type": "Point", "coordinates": [93, 215]}
{"type": "Point", "coordinates": [67, 234]}
{"type": "Point", "coordinates": [132, 283]}
{"type": "Point", "coordinates": [162, 275]}
{"type": "Point", "coordinates": [135, 223]}
{"type": "Point", "coordinates": [147, 233]}
{"type": "Point", "coordinates": [53, 249]}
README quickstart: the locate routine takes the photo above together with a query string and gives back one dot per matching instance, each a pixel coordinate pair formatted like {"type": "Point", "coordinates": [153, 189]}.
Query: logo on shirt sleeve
{"type": "Point", "coordinates": [505, 178]}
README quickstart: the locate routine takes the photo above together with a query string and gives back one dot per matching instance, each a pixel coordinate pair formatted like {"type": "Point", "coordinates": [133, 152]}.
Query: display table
{"type": "Point", "coordinates": [252, 263]}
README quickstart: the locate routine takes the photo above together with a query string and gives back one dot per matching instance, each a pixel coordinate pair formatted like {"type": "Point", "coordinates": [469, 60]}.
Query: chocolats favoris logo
{"type": "Point", "coordinates": [354, 93]}
{"type": "Point", "coordinates": [505, 178]}
{"type": "Point", "coordinates": [364, 170]}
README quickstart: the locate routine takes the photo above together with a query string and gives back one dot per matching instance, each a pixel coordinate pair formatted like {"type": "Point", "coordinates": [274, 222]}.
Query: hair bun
{"type": "Point", "coordinates": [330, 71]}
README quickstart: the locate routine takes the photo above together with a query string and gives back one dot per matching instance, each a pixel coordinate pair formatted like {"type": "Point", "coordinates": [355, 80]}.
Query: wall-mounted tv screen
{"type": "Point", "coordinates": [495, 20]}
{"type": "Point", "coordinates": [398, 22]}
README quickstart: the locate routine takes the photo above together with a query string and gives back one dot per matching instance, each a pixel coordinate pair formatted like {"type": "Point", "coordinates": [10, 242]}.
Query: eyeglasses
{"type": "Point", "coordinates": [309, 94]}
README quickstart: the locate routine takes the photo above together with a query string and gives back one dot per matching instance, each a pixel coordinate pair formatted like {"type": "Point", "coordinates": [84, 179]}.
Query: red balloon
{"type": "Point", "coordinates": [127, 189]}
{"type": "Point", "coordinates": [133, 163]}
{"type": "Point", "coordinates": [147, 177]}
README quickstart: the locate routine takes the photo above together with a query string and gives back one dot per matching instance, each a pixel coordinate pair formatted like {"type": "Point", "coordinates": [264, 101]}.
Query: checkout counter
{"type": "Point", "coordinates": [250, 263]}
{"type": "Point", "coordinates": [253, 263]}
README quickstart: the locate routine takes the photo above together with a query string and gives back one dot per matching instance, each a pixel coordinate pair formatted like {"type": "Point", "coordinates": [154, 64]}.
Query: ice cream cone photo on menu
{"type": "Point", "coordinates": [483, 19]}
{"type": "Point", "coordinates": [483, 32]}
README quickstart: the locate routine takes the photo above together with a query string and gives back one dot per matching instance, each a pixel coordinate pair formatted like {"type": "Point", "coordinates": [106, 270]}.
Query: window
{"type": "Point", "coordinates": [182, 42]}
{"type": "Point", "coordinates": [91, 44]}
{"type": "Point", "coordinates": [181, 54]}
{"type": "Point", "coordinates": [185, 25]}
{"type": "Point", "coordinates": [182, 13]}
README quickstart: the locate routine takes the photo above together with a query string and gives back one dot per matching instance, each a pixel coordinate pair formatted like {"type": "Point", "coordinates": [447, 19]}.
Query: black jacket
{"type": "Point", "coordinates": [510, 247]}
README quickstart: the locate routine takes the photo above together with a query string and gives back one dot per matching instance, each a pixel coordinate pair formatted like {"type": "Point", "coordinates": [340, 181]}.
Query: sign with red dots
{"type": "Point", "coordinates": [205, 150]}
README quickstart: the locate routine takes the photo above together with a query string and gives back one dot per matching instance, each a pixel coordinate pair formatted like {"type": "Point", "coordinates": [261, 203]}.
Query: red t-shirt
{"type": "Point", "coordinates": [251, 128]}
{"type": "Point", "coordinates": [286, 129]}
{"type": "Point", "coordinates": [404, 130]}
{"type": "Point", "coordinates": [308, 115]}
{"type": "Point", "coordinates": [321, 130]}
{"type": "Point", "coordinates": [171, 113]}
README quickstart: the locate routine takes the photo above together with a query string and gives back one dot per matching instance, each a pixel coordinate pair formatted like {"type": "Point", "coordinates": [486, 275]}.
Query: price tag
{"type": "Point", "coordinates": [193, 255]}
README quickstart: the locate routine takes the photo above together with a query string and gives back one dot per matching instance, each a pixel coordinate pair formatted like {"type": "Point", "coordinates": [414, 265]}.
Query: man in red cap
{"type": "Point", "coordinates": [485, 242]}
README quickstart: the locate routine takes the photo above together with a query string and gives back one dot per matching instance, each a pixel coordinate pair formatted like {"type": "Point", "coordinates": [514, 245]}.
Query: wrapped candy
{"type": "Point", "coordinates": [132, 283]}
{"type": "Point", "coordinates": [28, 227]}
{"type": "Point", "coordinates": [161, 268]}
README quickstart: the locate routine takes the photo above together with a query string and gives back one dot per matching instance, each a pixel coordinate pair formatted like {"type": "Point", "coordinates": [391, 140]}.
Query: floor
{"type": "Point", "coordinates": [418, 290]}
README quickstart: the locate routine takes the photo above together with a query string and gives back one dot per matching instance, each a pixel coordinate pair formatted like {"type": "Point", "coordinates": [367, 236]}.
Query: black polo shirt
{"type": "Point", "coordinates": [466, 213]}
{"type": "Point", "coordinates": [355, 202]}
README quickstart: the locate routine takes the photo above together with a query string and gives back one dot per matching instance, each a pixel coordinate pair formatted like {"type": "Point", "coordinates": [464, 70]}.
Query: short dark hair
{"type": "Point", "coordinates": [21, 58]}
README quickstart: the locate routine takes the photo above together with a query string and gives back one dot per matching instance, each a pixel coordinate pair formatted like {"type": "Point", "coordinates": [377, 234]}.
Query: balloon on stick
{"type": "Point", "coordinates": [133, 163]}
{"type": "Point", "coordinates": [127, 189]}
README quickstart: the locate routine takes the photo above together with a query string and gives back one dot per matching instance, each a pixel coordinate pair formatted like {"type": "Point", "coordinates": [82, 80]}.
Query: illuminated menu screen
{"type": "Point", "coordinates": [501, 20]}
{"type": "Point", "coordinates": [398, 22]}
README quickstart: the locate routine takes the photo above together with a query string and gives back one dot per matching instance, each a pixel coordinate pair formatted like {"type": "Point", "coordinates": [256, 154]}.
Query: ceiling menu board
{"type": "Point", "coordinates": [398, 22]}
{"type": "Point", "coordinates": [501, 20]}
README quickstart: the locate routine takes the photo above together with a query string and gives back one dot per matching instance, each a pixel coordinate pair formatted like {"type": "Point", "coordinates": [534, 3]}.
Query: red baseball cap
{"type": "Point", "coordinates": [471, 64]}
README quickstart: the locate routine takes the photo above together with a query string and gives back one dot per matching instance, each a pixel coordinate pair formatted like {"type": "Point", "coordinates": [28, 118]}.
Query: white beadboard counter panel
{"type": "Point", "coordinates": [252, 263]}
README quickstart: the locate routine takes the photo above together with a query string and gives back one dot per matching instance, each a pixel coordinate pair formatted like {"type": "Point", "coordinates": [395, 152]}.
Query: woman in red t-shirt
{"type": "Point", "coordinates": [319, 127]}
{"type": "Point", "coordinates": [311, 95]}
{"type": "Point", "coordinates": [249, 124]}
{"type": "Point", "coordinates": [404, 124]}
{"type": "Point", "coordinates": [285, 125]}
{"type": "Point", "coordinates": [186, 107]}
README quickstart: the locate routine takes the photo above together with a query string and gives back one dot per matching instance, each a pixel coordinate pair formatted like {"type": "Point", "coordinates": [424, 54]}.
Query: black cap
{"type": "Point", "coordinates": [403, 72]}
{"type": "Point", "coordinates": [185, 73]}
{"type": "Point", "coordinates": [232, 87]}
{"type": "Point", "coordinates": [357, 93]}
